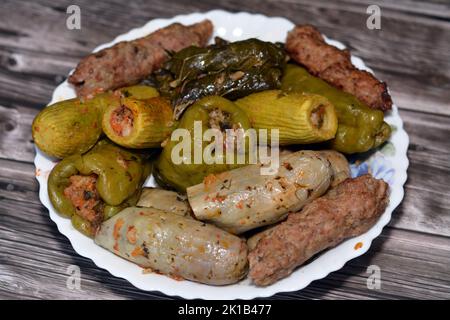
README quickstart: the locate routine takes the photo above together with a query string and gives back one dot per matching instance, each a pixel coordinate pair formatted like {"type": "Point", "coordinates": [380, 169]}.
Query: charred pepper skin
{"type": "Point", "coordinates": [181, 176]}
{"type": "Point", "coordinates": [360, 128]}
{"type": "Point", "coordinates": [120, 174]}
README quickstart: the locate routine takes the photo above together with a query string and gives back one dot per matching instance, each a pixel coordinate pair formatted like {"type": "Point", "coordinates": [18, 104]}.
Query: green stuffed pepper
{"type": "Point", "coordinates": [359, 127]}
{"type": "Point", "coordinates": [188, 145]}
{"type": "Point", "coordinates": [92, 187]}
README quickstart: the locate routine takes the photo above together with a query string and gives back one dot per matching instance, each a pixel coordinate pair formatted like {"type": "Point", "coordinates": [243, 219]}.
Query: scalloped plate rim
{"type": "Point", "coordinates": [306, 274]}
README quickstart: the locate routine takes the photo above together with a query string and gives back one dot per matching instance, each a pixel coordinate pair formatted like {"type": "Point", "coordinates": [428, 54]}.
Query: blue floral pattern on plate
{"type": "Point", "coordinates": [377, 165]}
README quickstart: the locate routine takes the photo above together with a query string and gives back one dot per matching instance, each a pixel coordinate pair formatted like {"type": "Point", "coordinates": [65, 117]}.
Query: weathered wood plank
{"type": "Point", "coordinates": [420, 9]}
{"type": "Point", "coordinates": [18, 182]}
{"type": "Point", "coordinates": [418, 78]}
{"type": "Point", "coordinates": [426, 205]}
{"type": "Point", "coordinates": [412, 265]}
{"type": "Point", "coordinates": [399, 52]}
{"type": "Point", "coordinates": [15, 133]}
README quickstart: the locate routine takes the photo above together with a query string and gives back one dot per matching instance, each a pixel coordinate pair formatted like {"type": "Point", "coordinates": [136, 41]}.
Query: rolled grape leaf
{"type": "Point", "coordinates": [232, 70]}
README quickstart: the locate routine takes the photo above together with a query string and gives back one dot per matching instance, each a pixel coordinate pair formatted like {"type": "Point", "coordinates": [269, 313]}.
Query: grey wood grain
{"type": "Point", "coordinates": [38, 266]}
{"type": "Point", "coordinates": [15, 139]}
{"type": "Point", "coordinates": [399, 53]}
{"type": "Point", "coordinates": [411, 52]}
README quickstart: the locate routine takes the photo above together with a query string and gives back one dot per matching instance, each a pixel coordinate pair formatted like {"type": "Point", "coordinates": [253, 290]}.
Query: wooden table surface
{"type": "Point", "coordinates": [411, 53]}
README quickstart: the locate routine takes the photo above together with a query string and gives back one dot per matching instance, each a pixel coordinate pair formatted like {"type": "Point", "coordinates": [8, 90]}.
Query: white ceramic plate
{"type": "Point", "coordinates": [389, 163]}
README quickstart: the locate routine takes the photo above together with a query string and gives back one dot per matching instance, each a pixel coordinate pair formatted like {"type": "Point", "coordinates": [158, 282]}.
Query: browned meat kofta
{"type": "Point", "coordinates": [348, 210]}
{"type": "Point", "coordinates": [307, 47]}
{"type": "Point", "coordinates": [128, 62]}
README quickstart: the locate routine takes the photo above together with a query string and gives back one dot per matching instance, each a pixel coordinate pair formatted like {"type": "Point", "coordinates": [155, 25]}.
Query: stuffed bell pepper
{"type": "Point", "coordinates": [92, 187]}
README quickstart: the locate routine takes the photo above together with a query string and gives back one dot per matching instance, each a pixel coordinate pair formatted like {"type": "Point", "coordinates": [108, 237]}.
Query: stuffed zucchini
{"type": "Point", "coordinates": [139, 123]}
{"type": "Point", "coordinates": [360, 128]}
{"type": "Point", "coordinates": [73, 126]}
{"type": "Point", "coordinates": [300, 118]}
